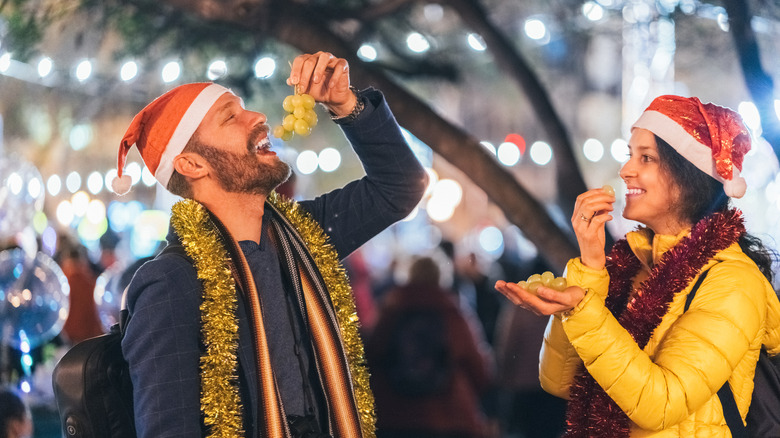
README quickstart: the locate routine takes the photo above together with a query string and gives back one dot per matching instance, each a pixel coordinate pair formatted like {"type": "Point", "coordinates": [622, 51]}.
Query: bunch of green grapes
{"type": "Point", "coordinates": [301, 118]}
{"type": "Point", "coordinates": [547, 279]}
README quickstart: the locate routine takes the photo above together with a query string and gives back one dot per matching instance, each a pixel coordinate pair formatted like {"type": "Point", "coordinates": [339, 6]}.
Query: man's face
{"type": "Point", "coordinates": [235, 143]}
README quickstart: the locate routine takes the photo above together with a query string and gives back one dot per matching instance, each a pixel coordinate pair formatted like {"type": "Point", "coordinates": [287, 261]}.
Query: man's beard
{"type": "Point", "coordinates": [242, 173]}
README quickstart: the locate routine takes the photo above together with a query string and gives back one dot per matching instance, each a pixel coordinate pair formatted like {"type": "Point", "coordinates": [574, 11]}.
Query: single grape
{"type": "Point", "coordinates": [302, 128]}
{"type": "Point", "coordinates": [297, 101]}
{"type": "Point", "coordinates": [534, 286]}
{"type": "Point", "coordinates": [287, 104]}
{"type": "Point", "coordinates": [535, 278]}
{"type": "Point", "coordinates": [310, 117]}
{"type": "Point", "coordinates": [279, 131]}
{"type": "Point", "coordinates": [522, 284]}
{"type": "Point", "coordinates": [307, 101]}
{"type": "Point", "coordinates": [559, 284]}
{"type": "Point", "coordinates": [547, 278]}
{"type": "Point", "coordinates": [608, 190]}
{"type": "Point", "coordinates": [289, 122]}
{"type": "Point", "coordinates": [299, 112]}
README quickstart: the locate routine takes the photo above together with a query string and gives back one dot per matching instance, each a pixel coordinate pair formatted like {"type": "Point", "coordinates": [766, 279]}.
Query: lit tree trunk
{"type": "Point", "coordinates": [758, 82]}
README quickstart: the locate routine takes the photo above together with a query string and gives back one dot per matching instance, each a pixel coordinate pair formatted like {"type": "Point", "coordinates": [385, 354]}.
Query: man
{"type": "Point", "coordinates": [250, 330]}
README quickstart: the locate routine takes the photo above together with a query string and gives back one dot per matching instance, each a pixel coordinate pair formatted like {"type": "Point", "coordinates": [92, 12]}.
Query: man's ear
{"type": "Point", "coordinates": [190, 165]}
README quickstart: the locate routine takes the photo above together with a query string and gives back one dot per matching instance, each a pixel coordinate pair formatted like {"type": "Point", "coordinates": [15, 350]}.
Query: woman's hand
{"type": "Point", "coordinates": [546, 301]}
{"type": "Point", "coordinates": [326, 79]}
{"type": "Point", "coordinates": [591, 213]}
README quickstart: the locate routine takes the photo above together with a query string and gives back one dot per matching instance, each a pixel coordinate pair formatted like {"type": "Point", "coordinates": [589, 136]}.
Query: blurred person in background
{"type": "Point", "coordinates": [430, 363]}
{"type": "Point", "coordinates": [83, 319]}
{"type": "Point", "coordinates": [15, 418]}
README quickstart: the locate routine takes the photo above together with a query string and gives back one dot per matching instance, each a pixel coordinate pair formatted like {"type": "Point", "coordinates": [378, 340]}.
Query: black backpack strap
{"type": "Point", "coordinates": [730, 410]}
{"type": "Point", "coordinates": [124, 314]}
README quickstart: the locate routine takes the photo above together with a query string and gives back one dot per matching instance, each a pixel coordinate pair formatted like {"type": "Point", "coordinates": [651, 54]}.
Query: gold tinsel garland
{"type": "Point", "coordinates": [219, 398]}
{"type": "Point", "coordinates": [335, 277]}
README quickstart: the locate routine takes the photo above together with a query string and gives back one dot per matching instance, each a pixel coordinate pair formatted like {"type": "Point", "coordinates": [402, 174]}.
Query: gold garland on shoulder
{"type": "Point", "coordinates": [220, 401]}
{"type": "Point", "coordinates": [335, 277]}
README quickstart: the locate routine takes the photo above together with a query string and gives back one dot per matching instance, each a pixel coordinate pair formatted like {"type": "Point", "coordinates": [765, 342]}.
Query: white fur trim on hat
{"type": "Point", "coordinates": [186, 127]}
{"type": "Point", "coordinates": [686, 145]}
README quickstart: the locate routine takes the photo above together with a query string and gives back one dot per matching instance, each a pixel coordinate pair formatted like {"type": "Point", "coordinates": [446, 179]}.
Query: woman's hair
{"type": "Point", "coordinates": [11, 408]}
{"type": "Point", "coordinates": [702, 195]}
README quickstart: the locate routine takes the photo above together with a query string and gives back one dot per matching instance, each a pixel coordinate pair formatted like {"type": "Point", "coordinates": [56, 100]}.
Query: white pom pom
{"type": "Point", "coordinates": [121, 185]}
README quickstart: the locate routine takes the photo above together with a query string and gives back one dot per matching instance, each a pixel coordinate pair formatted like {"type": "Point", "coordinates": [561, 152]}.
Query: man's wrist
{"type": "Point", "coordinates": [357, 107]}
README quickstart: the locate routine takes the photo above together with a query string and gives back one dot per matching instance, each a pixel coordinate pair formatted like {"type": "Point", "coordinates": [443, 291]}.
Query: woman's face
{"type": "Point", "coordinates": [652, 197]}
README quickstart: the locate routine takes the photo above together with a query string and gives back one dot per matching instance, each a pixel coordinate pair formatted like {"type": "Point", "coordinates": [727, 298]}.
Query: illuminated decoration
{"type": "Point", "coordinates": [593, 150]}
{"type": "Point", "coordinates": [95, 182]}
{"type": "Point", "coordinates": [45, 66]}
{"type": "Point", "coordinates": [171, 71]}
{"type": "Point", "coordinates": [508, 154]}
{"type": "Point", "coordinates": [535, 29]}
{"type": "Point", "coordinates": [5, 62]}
{"type": "Point", "coordinates": [64, 213]}
{"type": "Point", "coordinates": [110, 175]}
{"type": "Point", "coordinates": [517, 139]}
{"type": "Point", "coordinates": [217, 69]}
{"type": "Point", "coordinates": [151, 227]}
{"type": "Point", "coordinates": [619, 150]}
{"type": "Point", "coordinates": [134, 171]}
{"type": "Point", "coordinates": [73, 182]}
{"type": "Point", "coordinates": [417, 43]}
{"type": "Point", "coordinates": [96, 211]}
{"type": "Point", "coordinates": [329, 159]}
{"type": "Point", "coordinates": [433, 178]}
{"type": "Point", "coordinates": [307, 162]}
{"type": "Point", "coordinates": [489, 146]}
{"type": "Point", "coordinates": [80, 136]}
{"type": "Point", "coordinates": [83, 70]}
{"type": "Point", "coordinates": [445, 197]}
{"type": "Point", "coordinates": [749, 113]}
{"type": "Point", "coordinates": [476, 42]}
{"type": "Point", "coordinates": [592, 11]}
{"type": "Point", "coordinates": [541, 153]}
{"type": "Point", "coordinates": [54, 185]}
{"type": "Point", "coordinates": [92, 231]}
{"type": "Point", "coordinates": [122, 215]}
{"type": "Point", "coordinates": [129, 71]}
{"type": "Point", "coordinates": [265, 67]}
{"type": "Point", "coordinates": [40, 222]}
{"type": "Point", "coordinates": [367, 53]}
{"type": "Point", "coordinates": [80, 202]}
{"type": "Point", "coordinates": [147, 178]}
{"type": "Point", "coordinates": [491, 240]}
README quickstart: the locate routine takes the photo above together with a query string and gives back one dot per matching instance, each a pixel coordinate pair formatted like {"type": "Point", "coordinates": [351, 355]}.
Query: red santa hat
{"type": "Point", "coordinates": [711, 137]}
{"type": "Point", "coordinates": [162, 129]}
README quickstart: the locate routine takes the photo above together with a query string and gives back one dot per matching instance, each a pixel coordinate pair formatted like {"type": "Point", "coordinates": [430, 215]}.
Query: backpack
{"type": "Point", "coordinates": [763, 417]}
{"type": "Point", "coordinates": [419, 362]}
{"type": "Point", "coordinates": [92, 384]}
{"type": "Point", "coordinates": [93, 389]}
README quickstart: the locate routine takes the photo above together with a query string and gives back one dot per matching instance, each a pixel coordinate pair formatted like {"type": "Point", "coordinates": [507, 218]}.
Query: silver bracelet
{"type": "Point", "coordinates": [359, 107]}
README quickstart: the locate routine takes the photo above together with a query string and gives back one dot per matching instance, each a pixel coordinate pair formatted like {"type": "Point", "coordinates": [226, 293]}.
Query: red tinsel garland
{"type": "Point", "coordinates": [590, 412]}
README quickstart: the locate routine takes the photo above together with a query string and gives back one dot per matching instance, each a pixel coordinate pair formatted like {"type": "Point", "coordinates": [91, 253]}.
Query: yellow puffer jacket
{"type": "Point", "coordinates": [669, 388]}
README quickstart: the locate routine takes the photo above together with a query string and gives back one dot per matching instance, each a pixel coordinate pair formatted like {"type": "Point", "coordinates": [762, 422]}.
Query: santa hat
{"type": "Point", "coordinates": [711, 137]}
{"type": "Point", "coordinates": [162, 129]}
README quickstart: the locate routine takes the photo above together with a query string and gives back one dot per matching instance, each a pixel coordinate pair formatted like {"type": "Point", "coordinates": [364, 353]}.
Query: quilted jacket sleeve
{"type": "Point", "coordinates": [716, 339]}
{"type": "Point", "coordinates": [559, 361]}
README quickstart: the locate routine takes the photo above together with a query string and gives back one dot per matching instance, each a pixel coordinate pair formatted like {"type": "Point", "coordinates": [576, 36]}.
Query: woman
{"type": "Point", "coordinates": [620, 346]}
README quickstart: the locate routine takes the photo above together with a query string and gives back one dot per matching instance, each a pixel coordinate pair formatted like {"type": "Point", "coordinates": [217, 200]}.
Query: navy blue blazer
{"type": "Point", "coordinates": [162, 342]}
